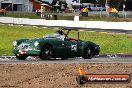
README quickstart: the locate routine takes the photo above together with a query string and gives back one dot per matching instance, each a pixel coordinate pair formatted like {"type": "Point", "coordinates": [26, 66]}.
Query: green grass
{"type": "Point", "coordinates": [96, 18]}
{"type": "Point", "coordinates": [22, 15]}
{"type": "Point", "coordinates": [109, 43]}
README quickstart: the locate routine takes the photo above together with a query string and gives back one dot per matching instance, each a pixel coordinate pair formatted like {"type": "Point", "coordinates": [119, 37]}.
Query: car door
{"type": "Point", "coordinates": [70, 48]}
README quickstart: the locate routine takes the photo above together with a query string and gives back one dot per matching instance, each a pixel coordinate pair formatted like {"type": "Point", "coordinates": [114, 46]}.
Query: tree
{"type": "Point", "coordinates": [113, 4]}
{"type": "Point", "coordinates": [107, 3]}
{"type": "Point", "coordinates": [53, 2]}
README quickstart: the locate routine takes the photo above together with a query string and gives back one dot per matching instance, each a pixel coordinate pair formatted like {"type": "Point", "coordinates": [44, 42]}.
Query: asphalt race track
{"type": "Point", "coordinates": [33, 60]}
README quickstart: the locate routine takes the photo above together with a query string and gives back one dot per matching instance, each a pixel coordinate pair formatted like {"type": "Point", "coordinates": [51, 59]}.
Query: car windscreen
{"type": "Point", "coordinates": [55, 35]}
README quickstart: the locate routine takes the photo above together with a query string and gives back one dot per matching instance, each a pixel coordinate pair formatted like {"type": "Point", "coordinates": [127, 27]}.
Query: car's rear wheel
{"type": "Point", "coordinates": [88, 52]}
{"type": "Point", "coordinates": [46, 52]}
{"type": "Point", "coordinates": [21, 57]}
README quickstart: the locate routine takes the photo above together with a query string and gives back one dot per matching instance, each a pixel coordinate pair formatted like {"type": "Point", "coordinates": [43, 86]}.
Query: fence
{"type": "Point", "coordinates": [127, 14]}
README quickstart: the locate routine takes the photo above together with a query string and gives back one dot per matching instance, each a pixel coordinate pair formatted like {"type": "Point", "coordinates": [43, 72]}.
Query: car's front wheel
{"type": "Point", "coordinates": [88, 53]}
{"type": "Point", "coordinates": [21, 57]}
{"type": "Point", "coordinates": [46, 52]}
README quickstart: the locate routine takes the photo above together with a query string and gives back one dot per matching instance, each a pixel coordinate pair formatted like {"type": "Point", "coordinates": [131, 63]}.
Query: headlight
{"type": "Point", "coordinates": [36, 43]}
{"type": "Point", "coordinates": [14, 43]}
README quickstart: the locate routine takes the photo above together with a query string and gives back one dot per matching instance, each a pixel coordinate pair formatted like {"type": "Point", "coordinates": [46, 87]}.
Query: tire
{"type": "Point", "coordinates": [81, 80]}
{"type": "Point", "coordinates": [88, 53]}
{"type": "Point", "coordinates": [46, 52]}
{"type": "Point", "coordinates": [21, 57]}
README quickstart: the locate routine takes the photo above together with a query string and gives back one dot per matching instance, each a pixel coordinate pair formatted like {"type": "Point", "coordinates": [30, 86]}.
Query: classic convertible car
{"type": "Point", "coordinates": [56, 45]}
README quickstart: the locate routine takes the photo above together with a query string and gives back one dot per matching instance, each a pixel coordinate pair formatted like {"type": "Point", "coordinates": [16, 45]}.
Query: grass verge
{"type": "Point", "coordinates": [109, 43]}
{"type": "Point", "coordinates": [60, 17]}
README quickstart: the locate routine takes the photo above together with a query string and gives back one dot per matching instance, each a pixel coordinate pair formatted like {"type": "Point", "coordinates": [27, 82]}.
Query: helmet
{"type": "Point", "coordinates": [60, 32]}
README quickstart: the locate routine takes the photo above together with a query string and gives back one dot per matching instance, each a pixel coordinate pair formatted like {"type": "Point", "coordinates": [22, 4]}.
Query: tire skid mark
{"type": "Point", "coordinates": [36, 76]}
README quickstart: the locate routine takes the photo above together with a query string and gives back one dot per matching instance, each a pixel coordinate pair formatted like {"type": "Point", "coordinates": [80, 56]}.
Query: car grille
{"type": "Point", "coordinates": [24, 47]}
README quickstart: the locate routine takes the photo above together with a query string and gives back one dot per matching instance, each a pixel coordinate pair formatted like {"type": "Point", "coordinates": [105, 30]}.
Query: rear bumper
{"type": "Point", "coordinates": [97, 50]}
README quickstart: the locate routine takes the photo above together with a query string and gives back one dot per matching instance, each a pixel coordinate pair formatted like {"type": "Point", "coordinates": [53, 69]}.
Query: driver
{"type": "Point", "coordinates": [60, 32]}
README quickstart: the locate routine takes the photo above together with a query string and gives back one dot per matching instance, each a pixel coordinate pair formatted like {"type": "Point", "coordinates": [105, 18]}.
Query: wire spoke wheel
{"type": "Point", "coordinates": [46, 52]}
{"type": "Point", "coordinates": [88, 53]}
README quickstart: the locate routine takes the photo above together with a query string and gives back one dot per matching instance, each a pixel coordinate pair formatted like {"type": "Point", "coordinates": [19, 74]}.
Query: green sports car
{"type": "Point", "coordinates": [55, 45]}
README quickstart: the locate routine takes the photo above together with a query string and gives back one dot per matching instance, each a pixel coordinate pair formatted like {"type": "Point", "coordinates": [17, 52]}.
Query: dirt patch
{"type": "Point", "coordinates": [57, 75]}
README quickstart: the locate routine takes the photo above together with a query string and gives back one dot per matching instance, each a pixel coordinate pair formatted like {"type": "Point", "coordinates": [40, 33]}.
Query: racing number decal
{"type": "Point", "coordinates": [73, 47]}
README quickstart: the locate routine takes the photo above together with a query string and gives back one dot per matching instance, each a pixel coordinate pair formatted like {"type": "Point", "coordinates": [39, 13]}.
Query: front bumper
{"type": "Point", "coordinates": [97, 52]}
{"type": "Point", "coordinates": [26, 52]}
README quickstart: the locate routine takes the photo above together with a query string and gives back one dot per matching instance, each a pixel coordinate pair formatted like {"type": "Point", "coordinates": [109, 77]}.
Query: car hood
{"type": "Point", "coordinates": [33, 40]}
{"type": "Point", "coordinates": [38, 40]}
